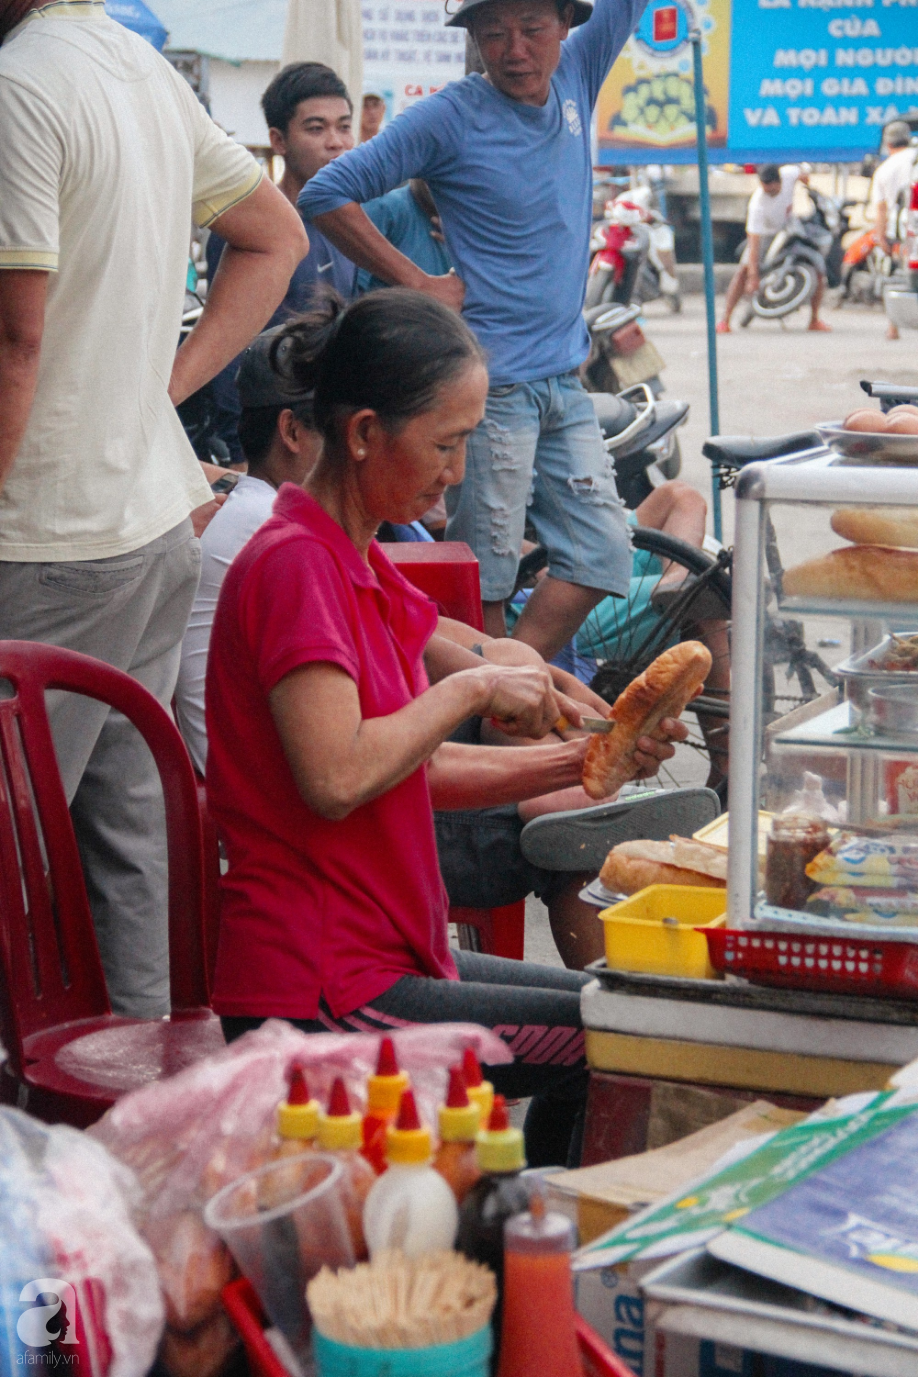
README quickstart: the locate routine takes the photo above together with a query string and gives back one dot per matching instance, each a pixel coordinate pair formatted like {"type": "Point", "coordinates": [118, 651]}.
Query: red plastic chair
{"type": "Point", "coordinates": [69, 1057]}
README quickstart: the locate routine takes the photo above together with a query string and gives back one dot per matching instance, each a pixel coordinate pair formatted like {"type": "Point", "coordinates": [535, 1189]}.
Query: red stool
{"type": "Point", "coordinates": [500, 931]}
{"type": "Point", "coordinates": [447, 572]}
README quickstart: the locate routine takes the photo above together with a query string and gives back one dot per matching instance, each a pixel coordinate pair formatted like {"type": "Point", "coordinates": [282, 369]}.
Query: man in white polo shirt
{"type": "Point", "coordinates": [770, 205]}
{"type": "Point", "coordinates": [105, 156]}
{"type": "Point", "coordinates": [891, 178]}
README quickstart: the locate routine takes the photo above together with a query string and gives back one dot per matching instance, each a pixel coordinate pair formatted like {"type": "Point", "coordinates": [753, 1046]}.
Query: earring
{"type": "Point", "coordinates": [361, 454]}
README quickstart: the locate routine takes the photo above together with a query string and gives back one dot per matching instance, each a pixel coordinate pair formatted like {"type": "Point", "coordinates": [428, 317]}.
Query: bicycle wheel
{"type": "Point", "coordinates": [677, 593]}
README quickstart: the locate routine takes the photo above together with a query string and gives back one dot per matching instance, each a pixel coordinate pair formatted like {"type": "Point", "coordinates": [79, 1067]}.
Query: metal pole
{"type": "Point", "coordinates": [707, 253]}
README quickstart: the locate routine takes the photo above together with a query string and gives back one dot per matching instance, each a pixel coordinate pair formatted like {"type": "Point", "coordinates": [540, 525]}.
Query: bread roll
{"type": "Point", "coordinates": [877, 525]}
{"type": "Point", "coordinates": [861, 573]}
{"type": "Point", "coordinates": [633, 865]}
{"type": "Point", "coordinates": [661, 691]}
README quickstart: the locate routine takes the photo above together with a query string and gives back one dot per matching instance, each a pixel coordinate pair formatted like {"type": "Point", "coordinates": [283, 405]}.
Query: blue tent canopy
{"type": "Point", "coordinates": [135, 15]}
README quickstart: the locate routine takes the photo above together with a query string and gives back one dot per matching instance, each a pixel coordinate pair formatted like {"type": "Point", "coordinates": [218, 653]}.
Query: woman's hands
{"type": "Point", "coordinates": [520, 699]}
{"type": "Point", "coordinates": [651, 754]}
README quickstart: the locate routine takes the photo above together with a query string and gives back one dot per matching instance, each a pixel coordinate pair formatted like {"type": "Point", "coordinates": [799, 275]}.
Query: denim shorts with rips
{"type": "Point", "coordinates": [539, 451]}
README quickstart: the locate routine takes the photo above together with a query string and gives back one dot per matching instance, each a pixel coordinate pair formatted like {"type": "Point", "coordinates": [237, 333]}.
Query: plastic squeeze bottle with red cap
{"type": "Point", "coordinates": [384, 1093]}
{"type": "Point", "coordinates": [500, 1194]}
{"type": "Point", "coordinates": [479, 1091]}
{"type": "Point", "coordinates": [340, 1133]}
{"type": "Point", "coordinates": [456, 1159]}
{"type": "Point", "coordinates": [297, 1125]}
{"type": "Point", "coordinates": [410, 1207]}
{"type": "Point", "coordinates": [538, 1338]}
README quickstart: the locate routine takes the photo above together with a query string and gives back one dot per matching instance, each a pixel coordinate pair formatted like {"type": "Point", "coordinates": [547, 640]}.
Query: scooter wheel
{"type": "Point", "coordinates": [745, 312]}
{"type": "Point", "coordinates": [674, 302]}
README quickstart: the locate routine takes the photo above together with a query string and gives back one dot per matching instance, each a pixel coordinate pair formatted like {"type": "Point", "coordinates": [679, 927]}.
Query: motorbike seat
{"type": "Point", "coordinates": [614, 414]}
{"type": "Point", "coordinates": [733, 451]}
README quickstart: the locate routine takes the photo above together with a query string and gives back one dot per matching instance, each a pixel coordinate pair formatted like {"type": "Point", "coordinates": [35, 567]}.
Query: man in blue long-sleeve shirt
{"type": "Point", "coordinates": [507, 158]}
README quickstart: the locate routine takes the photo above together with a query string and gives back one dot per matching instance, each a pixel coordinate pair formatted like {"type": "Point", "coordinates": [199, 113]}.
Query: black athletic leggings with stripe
{"type": "Point", "coordinates": [535, 1009]}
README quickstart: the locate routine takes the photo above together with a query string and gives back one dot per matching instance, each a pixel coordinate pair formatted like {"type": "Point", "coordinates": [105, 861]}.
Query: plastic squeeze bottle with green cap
{"type": "Point", "coordinates": [500, 1194]}
{"type": "Point", "coordinates": [384, 1093]}
{"type": "Point", "coordinates": [297, 1126]}
{"type": "Point", "coordinates": [480, 1091]}
{"type": "Point", "coordinates": [456, 1158]}
{"type": "Point", "coordinates": [410, 1206]}
{"type": "Point", "coordinates": [340, 1133]}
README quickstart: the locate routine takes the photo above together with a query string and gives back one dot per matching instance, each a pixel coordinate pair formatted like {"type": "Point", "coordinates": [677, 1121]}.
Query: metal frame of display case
{"type": "Point", "coordinates": [813, 478]}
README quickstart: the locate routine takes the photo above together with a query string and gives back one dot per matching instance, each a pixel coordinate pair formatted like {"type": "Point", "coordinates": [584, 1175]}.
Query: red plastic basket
{"type": "Point", "coordinates": [840, 965]}
{"type": "Point", "coordinates": [244, 1309]}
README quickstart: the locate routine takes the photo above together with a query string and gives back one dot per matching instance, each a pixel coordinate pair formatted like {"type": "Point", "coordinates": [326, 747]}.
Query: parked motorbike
{"type": "Point", "coordinates": [639, 432]}
{"type": "Point", "coordinates": [620, 355]}
{"type": "Point", "coordinates": [807, 249]}
{"type": "Point", "coordinates": [620, 245]}
{"type": "Point", "coordinates": [634, 254]}
{"type": "Point", "coordinates": [865, 271]}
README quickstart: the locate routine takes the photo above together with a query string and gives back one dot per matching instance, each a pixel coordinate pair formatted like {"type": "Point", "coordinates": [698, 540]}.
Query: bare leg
{"type": "Point", "coordinates": [495, 623]}
{"type": "Point", "coordinates": [815, 322]}
{"type": "Point", "coordinates": [734, 292]}
{"type": "Point", "coordinates": [552, 614]}
{"type": "Point", "coordinates": [575, 925]}
{"type": "Point", "coordinates": [678, 510]}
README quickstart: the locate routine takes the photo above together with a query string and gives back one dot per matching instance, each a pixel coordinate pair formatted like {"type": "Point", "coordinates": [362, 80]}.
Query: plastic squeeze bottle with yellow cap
{"type": "Point", "coordinates": [480, 1091]}
{"type": "Point", "coordinates": [340, 1133]}
{"type": "Point", "coordinates": [384, 1093]}
{"type": "Point", "coordinates": [410, 1207]}
{"type": "Point", "coordinates": [456, 1159]}
{"type": "Point", "coordinates": [500, 1194]}
{"type": "Point", "coordinates": [297, 1126]}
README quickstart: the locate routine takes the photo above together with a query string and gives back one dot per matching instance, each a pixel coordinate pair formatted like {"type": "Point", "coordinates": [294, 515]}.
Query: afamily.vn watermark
{"type": "Point", "coordinates": [48, 1326]}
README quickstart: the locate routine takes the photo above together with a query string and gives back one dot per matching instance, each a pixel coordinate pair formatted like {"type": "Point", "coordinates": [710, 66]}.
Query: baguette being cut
{"type": "Point", "coordinates": [865, 573]}
{"type": "Point", "coordinates": [663, 690]}
{"type": "Point", "coordinates": [877, 525]}
{"type": "Point", "coordinates": [634, 865]}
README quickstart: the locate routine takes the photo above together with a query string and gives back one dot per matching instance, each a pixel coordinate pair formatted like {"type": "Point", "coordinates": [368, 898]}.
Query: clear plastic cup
{"type": "Point", "coordinates": [280, 1250]}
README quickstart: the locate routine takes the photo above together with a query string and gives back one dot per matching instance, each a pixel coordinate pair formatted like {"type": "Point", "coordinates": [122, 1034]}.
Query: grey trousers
{"type": "Point", "coordinates": [130, 611]}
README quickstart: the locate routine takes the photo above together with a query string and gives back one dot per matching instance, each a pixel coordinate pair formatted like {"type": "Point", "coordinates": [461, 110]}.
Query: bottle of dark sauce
{"type": "Point", "coordinates": [495, 1198]}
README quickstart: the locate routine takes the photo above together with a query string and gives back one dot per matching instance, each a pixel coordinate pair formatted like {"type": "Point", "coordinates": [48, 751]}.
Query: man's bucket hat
{"type": "Point", "coordinates": [460, 20]}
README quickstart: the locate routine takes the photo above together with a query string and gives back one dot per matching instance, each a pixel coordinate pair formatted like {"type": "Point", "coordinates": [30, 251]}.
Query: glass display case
{"type": "Point", "coordinates": [826, 546]}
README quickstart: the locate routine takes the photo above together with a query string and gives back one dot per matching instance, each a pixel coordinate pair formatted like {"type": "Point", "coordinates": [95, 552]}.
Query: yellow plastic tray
{"type": "Point", "coordinates": [654, 930]}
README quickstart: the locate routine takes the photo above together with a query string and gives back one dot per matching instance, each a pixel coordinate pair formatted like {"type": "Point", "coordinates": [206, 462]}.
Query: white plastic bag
{"type": "Point", "coordinates": [76, 1278]}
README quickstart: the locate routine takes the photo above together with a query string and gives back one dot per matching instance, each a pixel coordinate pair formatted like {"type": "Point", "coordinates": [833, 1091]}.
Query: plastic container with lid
{"type": "Point", "coordinates": [795, 840]}
{"type": "Point", "coordinates": [410, 1206]}
{"type": "Point", "coordinates": [479, 1091]}
{"type": "Point", "coordinates": [500, 1194]}
{"type": "Point", "coordinates": [538, 1334]}
{"type": "Point", "coordinates": [297, 1125]}
{"type": "Point", "coordinates": [384, 1093]}
{"type": "Point", "coordinates": [456, 1158]}
{"type": "Point", "coordinates": [341, 1135]}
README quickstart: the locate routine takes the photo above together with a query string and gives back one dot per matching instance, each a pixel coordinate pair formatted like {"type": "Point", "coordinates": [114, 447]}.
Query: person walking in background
{"type": "Point", "coordinates": [310, 120]}
{"type": "Point", "coordinates": [106, 154]}
{"type": "Point", "coordinates": [508, 161]}
{"type": "Point", "coordinates": [891, 178]}
{"type": "Point", "coordinates": [769, 208]}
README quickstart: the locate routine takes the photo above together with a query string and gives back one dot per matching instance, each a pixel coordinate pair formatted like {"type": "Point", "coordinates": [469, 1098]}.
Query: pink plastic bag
{"type": "Point", "coordinates": [188, 1136]}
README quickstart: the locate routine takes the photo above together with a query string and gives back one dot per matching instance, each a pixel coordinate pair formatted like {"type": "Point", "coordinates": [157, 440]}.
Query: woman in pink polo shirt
{"type": "Point", "coordinates": [328, 747]}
